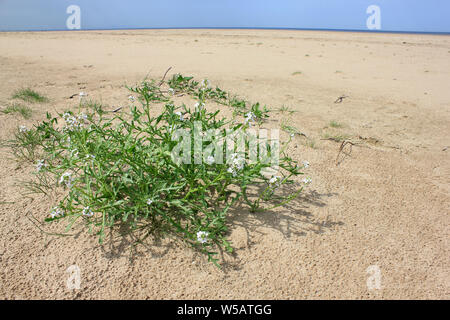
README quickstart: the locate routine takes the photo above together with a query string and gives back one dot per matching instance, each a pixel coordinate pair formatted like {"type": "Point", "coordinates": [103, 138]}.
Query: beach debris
{"type": "Point", "coordinates": [340, 99]}
{"type": "Point", "coordinates": [80, 94]}
{"type": "Point", "coordinates": [305, 164]}
{"type": "Point", "coordinates": [117, 109]}
{"type": "Point", "coordinates": [164, 77]}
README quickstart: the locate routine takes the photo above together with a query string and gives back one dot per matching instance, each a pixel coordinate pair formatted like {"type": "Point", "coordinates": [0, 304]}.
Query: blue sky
{"type": "Point", "coordinates": [396, 15]}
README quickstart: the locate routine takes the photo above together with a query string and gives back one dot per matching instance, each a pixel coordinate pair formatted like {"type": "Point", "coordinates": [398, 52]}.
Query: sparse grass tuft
{"type": "Point", "coordinates": [25, 111]}
{"type": "Point", "coordinates": [335, 137]}
{"type": "Point", "coordinates": [287, 109]}
{"type": "Point", "coordinates": [291, 129]}
{"type": "Point", "coordinates": [29, 95]}
{"type": "Point", "coordinates": [310, 143]}
{"type": "Point", "coordinates": [93, 107]}
{"type": "Point", "coordinates": [335, 124]}
{"type": "Point", "coordinates": [296, 73]}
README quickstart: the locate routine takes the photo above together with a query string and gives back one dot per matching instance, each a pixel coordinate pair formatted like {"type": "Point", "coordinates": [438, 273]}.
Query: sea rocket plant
{"type": "Point", "coordinates": [119, 168]}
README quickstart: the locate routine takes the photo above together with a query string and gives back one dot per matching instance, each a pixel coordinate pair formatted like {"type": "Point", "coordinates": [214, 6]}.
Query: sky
{"type": "Point", "coordinates": [394, 15]}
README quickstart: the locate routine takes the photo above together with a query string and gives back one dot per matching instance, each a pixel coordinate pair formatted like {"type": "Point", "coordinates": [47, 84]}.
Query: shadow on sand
{"type": "Point", "coordinates": [293, 219]}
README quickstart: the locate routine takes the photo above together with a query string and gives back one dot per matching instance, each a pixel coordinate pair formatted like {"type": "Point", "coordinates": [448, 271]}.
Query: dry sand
{"type": "Point", "coordinates": [386, 204]}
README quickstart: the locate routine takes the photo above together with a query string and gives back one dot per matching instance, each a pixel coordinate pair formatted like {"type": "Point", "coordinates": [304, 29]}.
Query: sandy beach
{"type": "Point", "coordinates": [386, 204]}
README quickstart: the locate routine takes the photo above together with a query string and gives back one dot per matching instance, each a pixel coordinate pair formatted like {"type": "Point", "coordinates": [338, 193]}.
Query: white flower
{"type": "Point", "coordinates": [149, 201]}
{"type": "Point", "coordinates": [237, 164]}
{"type": "Point", "coordinates": [82, 116]}
{"type": "Point", "coordinates": [305, 164]}
{"type": "Point", "coordinates": [307, 180]}
{"type": "Point", "coordinates": [250, 118]}
{"type": "Point", "coordinates": [232, 171]}
{"type": "Point", "coordinates": [250, 115]}
{"type": "Point", "coordinates": [274, 179]}
{"type": "Point", "coordinates": [90, 156]}
{"type": "Point", "coordinates": [238, 161]}
{"type": "Point", "coordinates": [67, 179]}
{"type": "Point", "coordinates": [180, 115]}
{"type": "Point", "coordinates": [171, 91]}
{"type": "Point", "coordinates": [202, 236]}
{"type": "Point", "coordinates": [87, 212]}
{"type": "Point", "coordinates": [198, 106]}
{"type": "Point", "coordinates": [56, 212]}
{"type": "Point", "coordinates": [210, 160]}
{"type": "Point", "coordinates": [23, 129]}
{"type": "Point", "coordinates": [205, 83]}
{"type": "Point", "coordinates": [74, 153]}
{"type": "Point", "coordinates": [131, 98]}
{"type": "Point", "coordinates": [40, 164]}
{"type": "Point", "coordinates": [82, 94]}
{"type": "Point", "coordinates": [72, 122]}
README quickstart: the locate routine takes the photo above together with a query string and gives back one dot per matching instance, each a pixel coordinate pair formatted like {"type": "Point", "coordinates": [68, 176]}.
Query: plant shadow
{"type": "Point", "coordinates": [293, 219]}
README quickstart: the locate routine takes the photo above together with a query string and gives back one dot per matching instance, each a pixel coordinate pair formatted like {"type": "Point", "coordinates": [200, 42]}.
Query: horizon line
{"type": "Point", "coordinates": [238, 28]}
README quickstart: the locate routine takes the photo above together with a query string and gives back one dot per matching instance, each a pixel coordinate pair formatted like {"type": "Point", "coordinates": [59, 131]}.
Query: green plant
{"type": "Point", "coordinates": [287, 109]}
{"type": "Point", "coordinates": [120, 169]}
{"type": "Point", "coordinates": [21, 109]}
{"type": "Point", "coordinates": [311, 143]}
{"type": "Point", "coordinates": [29, 95]}
{"type": "Point", "coordinates": [291, 129]}
{"type": "Point", "coordinates": [335, 124]}
{"type": "Point", "coordinates": [25, 143]}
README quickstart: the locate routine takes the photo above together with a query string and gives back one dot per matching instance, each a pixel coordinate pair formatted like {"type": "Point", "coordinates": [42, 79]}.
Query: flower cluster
{"type": "Point", "coordinates": [237, 164]}
{"type": "Point", "coordinates": [74, 123]}
{"type": "Point", "coordinates": [23, 129]}
{"type": "Point", "coordinates": [205, 84]}
{"type": "Point", "coordinates": [74, 153]}
{"type": "Point", "coordinates": [56, 212]}
{"type": "Point", "coordinates": [250, 118]}
{"type": "Point", "coordinates": [180, 115]}
{"type": "Point", "coordinates": [199, 106]}
{"type": "Point", "coordinates": [275, 181]}
{"type": "Point", "coordinates": [210, 160]}
{"type": "Point", "coordinates": [40, 163]}
{"type": "Point", "coordinates": [67, 179]}
{"type": "Point", "coordinates": [87, 212]}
